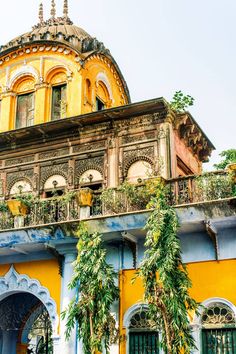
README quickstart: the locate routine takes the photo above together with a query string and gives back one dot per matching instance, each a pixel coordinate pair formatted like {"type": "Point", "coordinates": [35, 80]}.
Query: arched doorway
{"type": "Point", "coordinates": [25, 325]}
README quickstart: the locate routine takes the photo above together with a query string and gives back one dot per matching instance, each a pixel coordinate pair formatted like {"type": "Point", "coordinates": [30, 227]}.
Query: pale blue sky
{"type": "Point", "coordinates": [161, 46]}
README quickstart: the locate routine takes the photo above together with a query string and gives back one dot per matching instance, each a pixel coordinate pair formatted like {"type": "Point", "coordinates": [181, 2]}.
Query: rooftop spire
{"type": "Point", "coordinates": [41, 12]}
{"type": "Point", "coordinates": [53, 9]}
{"type": "Point", "coordinates": [65, 9]}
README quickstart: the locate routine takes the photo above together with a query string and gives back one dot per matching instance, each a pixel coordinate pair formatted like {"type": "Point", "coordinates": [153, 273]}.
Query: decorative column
{"type": "Point", "coordinates": [67, 347]}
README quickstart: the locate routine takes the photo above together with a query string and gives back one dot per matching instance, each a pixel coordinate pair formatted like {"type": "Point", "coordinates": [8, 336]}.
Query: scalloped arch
{"type": "Point", "coordinates": [135, 159]}
{"type": "Point", "coordinates": [13, 282]}
{"type": "Point", "coordinates": [58, 69]}
{"type": "Point", "coordinates": [18, 179]}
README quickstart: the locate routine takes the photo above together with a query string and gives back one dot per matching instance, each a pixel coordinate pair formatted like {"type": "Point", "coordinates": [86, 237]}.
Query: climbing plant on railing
{"type": "Point", "coordinates": [97, 292]}
{"type": "Point", "coordinates": [165, 277]}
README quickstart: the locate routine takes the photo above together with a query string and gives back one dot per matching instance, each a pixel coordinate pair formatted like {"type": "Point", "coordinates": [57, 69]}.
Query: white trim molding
{"type": "Point", "coordinates": [13, 283]}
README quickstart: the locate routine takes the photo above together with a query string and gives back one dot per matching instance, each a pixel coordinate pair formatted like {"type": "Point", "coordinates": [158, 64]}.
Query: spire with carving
{"type": "Point", "coordinates": [65, 9]}
{"type": "Point", "coordinates": [53, 9]}
{"type": "Point", "coordinates": [41, 12]}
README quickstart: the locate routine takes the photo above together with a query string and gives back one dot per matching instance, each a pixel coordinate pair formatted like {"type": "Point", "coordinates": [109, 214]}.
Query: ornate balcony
{"type": "Point", "coordinates": [125, 199]}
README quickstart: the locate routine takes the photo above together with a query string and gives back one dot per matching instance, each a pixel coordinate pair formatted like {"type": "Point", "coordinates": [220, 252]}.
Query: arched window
{"type": "Point", "coordinates": [218, 329]}
{"type": "Point", "coordinates": [139, 170]}
{"type": "Point", "coordinates": [143, 336]}
{"type": "Point", "coordinates": [24, 103]}
{"type": "Point", "coordinates": [102, 97]}
{"type": "Point", "coordinates": [58, 81]}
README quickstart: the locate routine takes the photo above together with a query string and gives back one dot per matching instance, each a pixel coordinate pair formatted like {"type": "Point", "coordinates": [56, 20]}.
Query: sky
{"type": "Point", "coordinates": [161, 46]}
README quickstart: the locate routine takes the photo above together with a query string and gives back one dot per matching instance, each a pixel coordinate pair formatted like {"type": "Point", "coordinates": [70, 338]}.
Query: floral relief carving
{"type": "Point", "coordinates": [51, 170]}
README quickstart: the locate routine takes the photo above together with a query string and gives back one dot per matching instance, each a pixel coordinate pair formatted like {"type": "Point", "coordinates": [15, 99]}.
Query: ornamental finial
{"type": "Point", "coordinates": [53, 9]}
{"type": "Point", "coordinates": [65, 9]}
{"type": "Point", "coordinates": [41, 12]}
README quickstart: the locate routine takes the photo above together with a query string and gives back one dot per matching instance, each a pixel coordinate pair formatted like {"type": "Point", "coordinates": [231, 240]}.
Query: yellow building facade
{"type": "Point", "coordinates": [66, 123]}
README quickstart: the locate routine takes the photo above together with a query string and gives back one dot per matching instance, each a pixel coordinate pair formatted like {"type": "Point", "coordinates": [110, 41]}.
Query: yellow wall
{"type": "Point", "coordinates": [37, 70]}
{"type": "Point", "coordinates": [46, 272]}
{"type": "Point", "coordinates": [210, 279]}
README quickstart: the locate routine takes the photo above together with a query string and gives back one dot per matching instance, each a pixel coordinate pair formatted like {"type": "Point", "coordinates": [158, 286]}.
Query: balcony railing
{"type": "Point", "coordinates": [182, 190]}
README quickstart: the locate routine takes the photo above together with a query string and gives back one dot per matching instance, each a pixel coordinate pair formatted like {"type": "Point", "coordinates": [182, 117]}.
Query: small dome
{"type": "Point", "coordinates": [56, 30]}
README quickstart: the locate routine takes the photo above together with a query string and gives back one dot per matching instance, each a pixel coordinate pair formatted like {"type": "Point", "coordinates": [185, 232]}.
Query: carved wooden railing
{"type": "Point", "coordinates": [181, 191]}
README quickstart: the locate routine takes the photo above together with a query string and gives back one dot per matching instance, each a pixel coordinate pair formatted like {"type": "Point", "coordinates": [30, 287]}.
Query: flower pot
{"type": "Point", "coordinates": [17, 207]}
{"type": "Point", "coordinates": [232, 169]}
{"type": "Point", "coordinates": [85, 197]}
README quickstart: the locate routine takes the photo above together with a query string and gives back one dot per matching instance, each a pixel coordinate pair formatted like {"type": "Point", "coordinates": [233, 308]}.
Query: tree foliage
{"type": "Point", "coordinates": [97, 292]}
{"type": "Point", "coordinates": [165, 277]}
{"type": "Point", "coordinates": [181, 102]}
{"type": "Point", "coordinates": [229, 157]}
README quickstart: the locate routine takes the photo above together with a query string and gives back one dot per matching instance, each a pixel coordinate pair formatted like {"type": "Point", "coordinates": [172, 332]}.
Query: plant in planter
{"type": "Point", "coordinates": [21, 205]}
{"type": "Point", "coordinates": [85, 197]}
{"type": "Point", "coordinates": [3, 207]}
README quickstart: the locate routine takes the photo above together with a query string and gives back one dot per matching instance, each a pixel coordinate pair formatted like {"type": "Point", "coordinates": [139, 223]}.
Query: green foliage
{"type": "Point", "coordinates": [3, 207]}
{"type": "Point", "coordinates": [165, 277]}
{"type": "Point", "coordinates": [229, 157]}
{"type": "Point", "coordinates": [210, 186]}
{"type": "Point", "coordinates": [181, 102]}
{"type": "Point", "coordinates": [97, 292]}
{"type": "Point", "coordinates": [27, 199]}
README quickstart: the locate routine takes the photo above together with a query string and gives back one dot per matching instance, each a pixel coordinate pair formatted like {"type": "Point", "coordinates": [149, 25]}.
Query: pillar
{"type": "Point", "coordinates": [9, 342]}
{"type": "Point", "coordinates": [67, 347]}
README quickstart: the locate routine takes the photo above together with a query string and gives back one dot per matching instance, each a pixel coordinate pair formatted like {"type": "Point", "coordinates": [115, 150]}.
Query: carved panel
{"type": "Point", "coordinates": [48, 171]}
{"type": "Point", "coordinates": [96, 163]}
{"type": "Point", "coordinates": [89, 146]}
{"type": "Point", "coordinates": [13, 177]}
{"type": "Point", "coordinates": [145, 120]}
{"type": "Point", "coordinates": [19, 160]}
{"type": "Point", "coordinates": [138, 137]}
{"type": "Point", "coordinates": [131, 156]}
{"type": "Point", "coordinates": [54, 153]}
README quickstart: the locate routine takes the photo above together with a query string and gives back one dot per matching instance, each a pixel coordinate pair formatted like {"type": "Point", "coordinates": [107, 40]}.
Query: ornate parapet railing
{"type": "Point", "coordinates": [125, 199]}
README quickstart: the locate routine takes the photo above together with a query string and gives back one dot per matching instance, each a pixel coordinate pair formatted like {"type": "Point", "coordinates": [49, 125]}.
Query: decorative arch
{"type": "Point", "coordinates": [52, 171]}
{"type": "Point", "coordinates": [14, 181]}
{"type": "Point", "coordinates": [57, 71]}
{"type": "Point", "coordinates": [197, 320]}
{"type": "Point", "coordinates": [61, 181]}
{"type": "Point", "coordinates": [129, 322]}
{"type": "Point", "coordinates": [26, 71]}
{"type": "Point", "coordinates": [135, 159]}
{"type": "Point", "coordinates": [132, 311]}
{"type": "Point", "coordinates": [94, 163]}
{"type": "Point", "coordinates": [13, 282]}
{"type": "Point", "coordinates": [25, 184]}
{"type": "Point", "coordinates": [94, 173]}
{"type": "Point", "coordinates": [208, 303]}
{"type": "Point", "coordinates": [102, 78]}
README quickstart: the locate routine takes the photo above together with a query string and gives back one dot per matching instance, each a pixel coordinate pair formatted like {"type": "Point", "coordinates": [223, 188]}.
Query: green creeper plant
{"type": "Point", "coordinates": [97, 292]}
{"type": "Point", "coordinates": [165, 277]}
{"type": "Point", "coordinates": [229, 157]}
{"type": "Point", "coordinates": [181, 102]}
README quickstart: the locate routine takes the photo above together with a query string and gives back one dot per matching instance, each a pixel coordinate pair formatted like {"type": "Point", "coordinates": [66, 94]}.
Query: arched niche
{"type": "Point", "coordinates": [139, 170]}
{"type": "Point", "coordinates": [55, 181]}
{"type": "Point", "coordinates": [22, 186]}
{"type": "Point", "coordinates": [90, 176]}
{"type": "Point", "coordinates": [57, 75]}
{"type": "Point", "coordinates": [25, 72]}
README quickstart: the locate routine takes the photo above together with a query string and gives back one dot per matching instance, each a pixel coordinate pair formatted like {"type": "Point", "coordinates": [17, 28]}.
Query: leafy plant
{"type": "Point", "coordinates": [210, 186]}
{"type": "Point", "coordinates": [181, 102]}
{"type": "Point", "coordinates": [97, 292]}
{"type": "Point", "coordinates": [229, 157]}
{"type": "Point", "coordinates": [165, 277]}
{"type": "Point", "coordinates": [27, 199]}
{"type": "Point", "coordinates": [3, 206]}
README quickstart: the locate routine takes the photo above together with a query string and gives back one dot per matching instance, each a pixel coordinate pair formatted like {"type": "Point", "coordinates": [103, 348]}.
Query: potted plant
{"type": "Point", "coordinates": [21, 205]}
{"type": "Point", "coordinates": [85, 197]}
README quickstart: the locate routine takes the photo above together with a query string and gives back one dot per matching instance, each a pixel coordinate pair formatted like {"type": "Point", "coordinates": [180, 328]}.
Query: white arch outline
{"type": "Point", "coordinates": [104, 79]}
{"type": "Point", "coordinates": [127, 317]}
{"type": "Point", "coordinates": [25, 70]}
{"type": "Point", "coordinates": [13, 283]}
{"type": "Point", "coordinates": [196, 323]}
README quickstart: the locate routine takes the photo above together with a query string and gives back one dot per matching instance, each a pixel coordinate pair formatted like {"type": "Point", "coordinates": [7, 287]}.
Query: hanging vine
{"type": "Point", "coordinates": [97, 292]}
{"type": "Point", "coordinates": [165, 277]}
